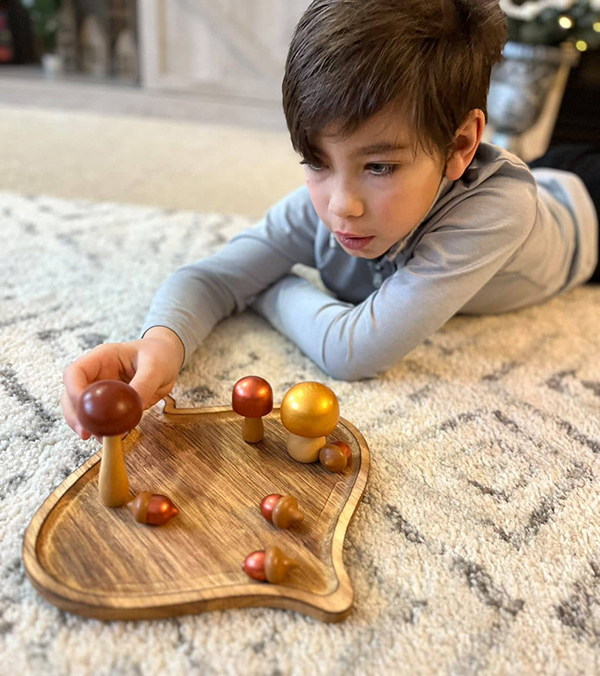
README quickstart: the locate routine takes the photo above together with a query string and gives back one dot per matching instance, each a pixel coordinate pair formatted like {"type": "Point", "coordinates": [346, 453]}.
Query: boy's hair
{"type": "Point", "coordinates": [430, 59]}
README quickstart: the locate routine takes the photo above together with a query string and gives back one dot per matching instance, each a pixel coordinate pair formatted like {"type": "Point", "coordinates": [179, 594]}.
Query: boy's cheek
{"type": "Point", "coordinates": [319, 202]}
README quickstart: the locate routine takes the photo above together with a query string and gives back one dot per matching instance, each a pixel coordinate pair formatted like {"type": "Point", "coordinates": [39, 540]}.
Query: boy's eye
{"type": "Point", "coordinates": [312, 167]}
{"type": "Point", "coordinates": [378, 169]}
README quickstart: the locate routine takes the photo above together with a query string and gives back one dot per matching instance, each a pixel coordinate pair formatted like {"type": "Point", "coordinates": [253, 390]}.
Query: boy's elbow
{"type": "Point", "coordinates": [351, 372]}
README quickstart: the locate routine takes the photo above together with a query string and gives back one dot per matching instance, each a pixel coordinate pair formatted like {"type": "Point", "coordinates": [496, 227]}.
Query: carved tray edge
{"type": "Point", "coordinates": [333, 607]}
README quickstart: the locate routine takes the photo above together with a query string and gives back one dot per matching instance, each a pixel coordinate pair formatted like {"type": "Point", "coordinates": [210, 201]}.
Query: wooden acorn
{"type": "Point", "coordinates": [252, 398]}
{"type": "Point", "coordinates": [281, 511]}
{"type": "Point", "coordinates": [153, 509]}
{"type": "Point", "coordinates": [344, 446]}
{"type": "Point", "coordinates": [270, 565]}
{"type": "Point", "coordinates": [335, 456]}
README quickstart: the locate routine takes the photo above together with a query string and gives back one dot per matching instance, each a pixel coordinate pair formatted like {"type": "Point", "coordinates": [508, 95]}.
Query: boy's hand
{"type": "Point", "coordinates": [149, 365]}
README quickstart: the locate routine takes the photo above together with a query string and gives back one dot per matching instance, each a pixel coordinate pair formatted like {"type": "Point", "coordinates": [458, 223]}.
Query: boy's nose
{"type": "Point", "coordinates": [343, 204]}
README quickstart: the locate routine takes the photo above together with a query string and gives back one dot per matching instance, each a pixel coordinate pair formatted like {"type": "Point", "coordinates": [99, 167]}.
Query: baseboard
{"type": "Point", "coordinates": [30, 89]}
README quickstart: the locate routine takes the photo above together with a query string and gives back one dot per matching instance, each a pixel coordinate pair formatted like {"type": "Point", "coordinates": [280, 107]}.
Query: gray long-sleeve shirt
{"type": "Point", "coordinates": [500, 238]}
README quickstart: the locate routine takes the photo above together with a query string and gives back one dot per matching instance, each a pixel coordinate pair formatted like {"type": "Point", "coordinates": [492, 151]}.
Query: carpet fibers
{"type": "Point", "coordinates": [476, 548]}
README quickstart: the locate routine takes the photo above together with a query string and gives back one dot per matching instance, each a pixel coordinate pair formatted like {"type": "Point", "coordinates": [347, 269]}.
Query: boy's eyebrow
{"type": "Point", "coordinates": [382, 147]}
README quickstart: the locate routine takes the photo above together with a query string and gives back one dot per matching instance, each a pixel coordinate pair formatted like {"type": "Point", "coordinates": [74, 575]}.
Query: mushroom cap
{"type": "Point", "coordinates": [277, 564]}
{"type": "Point", "coordinates": [310, 410]}
{"type": "Point", "coordinates": [286, 512]}
{"type": "Point", "coordinates": [108, 408]}
{"type": "Point", "coordinates": [252, 397]}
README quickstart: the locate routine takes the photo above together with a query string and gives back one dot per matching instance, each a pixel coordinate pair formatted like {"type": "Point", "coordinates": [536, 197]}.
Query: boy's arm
{"type": "Point", "coordinates": [197, 296]}
{"type": "Point", "coordinates": [449, 266]}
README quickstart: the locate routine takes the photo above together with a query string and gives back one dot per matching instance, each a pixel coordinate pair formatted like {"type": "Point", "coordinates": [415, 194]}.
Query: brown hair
{"type": "Point", "coordinates": [430, 59]}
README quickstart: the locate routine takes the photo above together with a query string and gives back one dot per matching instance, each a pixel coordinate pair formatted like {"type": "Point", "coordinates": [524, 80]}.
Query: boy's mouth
{"type": "Point", "coordinates": [353, 242]}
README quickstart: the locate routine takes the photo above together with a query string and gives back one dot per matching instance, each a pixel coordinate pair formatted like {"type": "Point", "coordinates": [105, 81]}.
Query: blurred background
{"type": "Point", "coordinates": [177, 102]}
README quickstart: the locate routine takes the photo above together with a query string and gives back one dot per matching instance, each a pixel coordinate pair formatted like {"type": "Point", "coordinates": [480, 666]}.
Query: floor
{"type": "Point", "coordinates": [122, 144]}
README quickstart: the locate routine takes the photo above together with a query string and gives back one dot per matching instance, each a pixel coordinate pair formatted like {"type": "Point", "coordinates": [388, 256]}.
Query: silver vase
{"type": "Point", "coordinates": [520, 86]}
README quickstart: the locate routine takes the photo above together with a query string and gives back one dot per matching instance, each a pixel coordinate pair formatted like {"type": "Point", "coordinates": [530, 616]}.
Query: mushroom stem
{"type": "Point", "coordinates": [253, 430]}
{"type": "Point", "coordinates": [113, 482]}
{"type": "Point", "coordinates": [304, 449]}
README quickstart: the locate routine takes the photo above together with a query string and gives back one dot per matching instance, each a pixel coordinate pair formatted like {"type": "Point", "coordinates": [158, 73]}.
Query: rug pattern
{"type": "Point", "coordinates": [476, 549]}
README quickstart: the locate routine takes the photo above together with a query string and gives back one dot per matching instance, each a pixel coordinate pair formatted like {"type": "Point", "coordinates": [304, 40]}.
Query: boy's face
{"type": "Point", "coordinates": [369, 189]}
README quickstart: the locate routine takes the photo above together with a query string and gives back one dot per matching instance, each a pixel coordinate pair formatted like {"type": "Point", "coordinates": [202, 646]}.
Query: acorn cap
{"type": "Point", "coordinates": [252, 397]}
{"type": "Point", "coordinates": [310, 410]}
{"type": "Point", "coordinates": [277, 564]}
{"type": "Point", "coordinates": [109, 408]}
{"type": "Point", "coordinates": [285, 513]}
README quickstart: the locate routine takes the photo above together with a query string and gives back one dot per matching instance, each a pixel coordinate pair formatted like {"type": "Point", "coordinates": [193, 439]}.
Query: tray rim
{"type": "Point", "coordinates": [333, 606]}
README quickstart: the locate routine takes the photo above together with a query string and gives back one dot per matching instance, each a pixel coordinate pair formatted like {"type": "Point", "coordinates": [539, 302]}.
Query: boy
{"type": "Point", "coordinates": [407, 215]}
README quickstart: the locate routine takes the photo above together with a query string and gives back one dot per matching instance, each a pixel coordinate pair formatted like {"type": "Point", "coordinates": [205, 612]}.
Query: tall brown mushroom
{"type": "Point", "coordinates": [253, 398]}
{"type": "Point", "coordinates": [108, 409]}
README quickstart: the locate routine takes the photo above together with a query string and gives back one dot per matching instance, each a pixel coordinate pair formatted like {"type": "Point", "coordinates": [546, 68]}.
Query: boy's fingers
{"type": "Point", "coordinates": [71, 416]}
{"type": "Point", "coordinates": [81, 373]}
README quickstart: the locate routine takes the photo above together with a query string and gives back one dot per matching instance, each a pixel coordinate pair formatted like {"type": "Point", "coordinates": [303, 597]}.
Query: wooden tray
{"type": "Point", "coordinates": [99, 562]}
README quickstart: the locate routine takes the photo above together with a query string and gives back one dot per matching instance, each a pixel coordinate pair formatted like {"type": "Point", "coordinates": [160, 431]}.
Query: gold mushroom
{"type": "Point", "coordinates": [309, 412]}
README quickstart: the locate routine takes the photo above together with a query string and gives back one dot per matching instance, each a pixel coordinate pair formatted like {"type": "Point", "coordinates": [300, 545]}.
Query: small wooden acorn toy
{"type": "Point", "coordinates": [335, 456]}
{"type": "Point", "coordinates": [153, 509]}
{"type": "Point", "coordinates": [108, 409]}
{"type": "Point", "coordinates": [270, 565]}
{"type": "Point", "coordinates": [252, 398]}
{"type": "Point", "coordinates": [281, 510]}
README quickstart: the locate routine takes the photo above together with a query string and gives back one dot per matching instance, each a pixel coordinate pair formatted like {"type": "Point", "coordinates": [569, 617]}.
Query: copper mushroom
{"type": "Point", "coordinates": [109, 408]}
{"type": "Point", "coordinates": [253, 398]}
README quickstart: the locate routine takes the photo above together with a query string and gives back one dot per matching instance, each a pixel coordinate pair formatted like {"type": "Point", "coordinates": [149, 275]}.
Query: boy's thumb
{"type": "Point", "coordinates": [146, 382]}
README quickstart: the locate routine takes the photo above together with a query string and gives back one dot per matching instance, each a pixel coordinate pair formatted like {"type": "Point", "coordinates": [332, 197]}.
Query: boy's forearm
{"type": "Point", "coordinates": [198, 296]}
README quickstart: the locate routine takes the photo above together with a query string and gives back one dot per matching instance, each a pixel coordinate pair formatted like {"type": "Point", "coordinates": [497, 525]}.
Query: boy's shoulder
{"type": "Point", "coordinates": [492, 165]}
{"type": "Point", "coordinates": [497, 190]}
{"type": "Point", "coordinates": [497, 183]}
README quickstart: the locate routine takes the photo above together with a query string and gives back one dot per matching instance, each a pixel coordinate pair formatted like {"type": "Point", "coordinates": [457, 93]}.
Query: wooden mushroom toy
{"type": "Point", "coordinates": [108, 409]}
{"type": "Point", "coordinates": [253, 398]}
{"type": "Point", "coordinates": [153, 509]}
{"type": "Point", "coordinates": [309, 412]}
{"type": "Point", "coordinates": [270, 565]}
{"type": "Point", "coordinates": [281, 510]}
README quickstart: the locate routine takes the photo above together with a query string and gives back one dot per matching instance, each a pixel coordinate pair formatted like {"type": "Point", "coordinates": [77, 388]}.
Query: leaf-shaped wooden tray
{"type": "Point", "coordinates": [99, 562]}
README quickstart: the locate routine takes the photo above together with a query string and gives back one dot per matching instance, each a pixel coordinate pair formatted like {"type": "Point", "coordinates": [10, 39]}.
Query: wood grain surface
{"type": "Point", "coordinates": [99, 562]}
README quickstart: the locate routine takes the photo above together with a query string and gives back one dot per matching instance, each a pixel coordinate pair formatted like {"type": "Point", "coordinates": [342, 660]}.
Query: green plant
{"type": "Point", "coordinates": [44, 15]}
{"type": "Point", "coordinates": [552, 22]}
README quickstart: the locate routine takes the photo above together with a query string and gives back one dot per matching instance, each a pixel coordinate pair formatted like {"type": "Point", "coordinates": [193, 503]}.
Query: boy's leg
{"type": "Point", "coordinates": [583, 160]}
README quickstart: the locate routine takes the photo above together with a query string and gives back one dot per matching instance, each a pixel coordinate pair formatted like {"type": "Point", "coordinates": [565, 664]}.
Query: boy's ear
{"type": "Point", "coordinates": [466, 142]}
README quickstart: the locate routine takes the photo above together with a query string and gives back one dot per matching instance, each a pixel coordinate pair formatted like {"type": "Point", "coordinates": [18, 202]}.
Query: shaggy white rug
{"type": "Point", "coordinates": [476, 548]}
